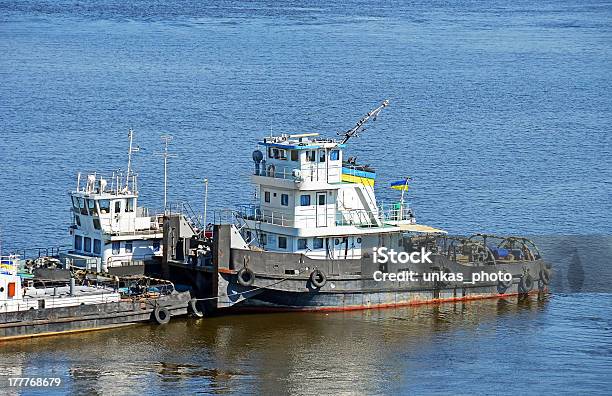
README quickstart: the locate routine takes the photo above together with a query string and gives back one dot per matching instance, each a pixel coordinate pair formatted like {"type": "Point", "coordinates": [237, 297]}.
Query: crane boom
{"type": "Point", "coordinates": [359, 126]}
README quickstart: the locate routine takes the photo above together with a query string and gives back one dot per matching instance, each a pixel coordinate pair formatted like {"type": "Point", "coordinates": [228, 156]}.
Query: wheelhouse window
{"type": "Point", "coordinates": [321, 155]}
{"type": "Point", "coordinates": [87, 243]}
{"type": "Point", "coordinates": [78, 242]}
{"type": "Point", "coordinates": [104, 205]}
{"type": "Point", "coordinates": [294, 155]}
{"type": "Point", "coordinates": [156, 246]}
{"type": "Point", "coordinates": [82, 206]}
{"type": "Point", "coordinates": [75, 204]}
{"type": "Point", "coordinates": [130, 205]}
{"type": "Point", "coordinates": [284, 200]}
{"type": "Point", "coordinates": [97, 246]}
{"type": "Point", "coordinates": [317, 243]}
{"type": "Point", "coordinates": [91, 206]}
{"type": "Point", "coordinates": [302, 244]}
{"type": "Point", "coordinates": [311, 156]}
{"type": "Point", "coordinates": [321, 199]}
{"type": "Point", "coordinates": [267, 196]}
{"type": "Point", "coordinates": [128, 247]}
{"type": "Point", "coordinates": [117, 206]}
{"type": "Point", "coordinates": [116, 247]}
{"type": "Point", "coordinates": [282, 242]}
{"type": "Point", "coordinates": [305, 200]}
{"type": "Point", "coordinates": [334, 155]}
{"type": "Point", "coordinates": [96, 224]}
{"type": "Point", "coordinates": [282, 154]}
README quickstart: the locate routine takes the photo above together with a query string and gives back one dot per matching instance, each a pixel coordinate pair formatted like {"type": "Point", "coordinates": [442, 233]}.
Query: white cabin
{"type": "Point", "coordinates": [313, 201]}
{"type": "Point", "coordinates": [108, 228]}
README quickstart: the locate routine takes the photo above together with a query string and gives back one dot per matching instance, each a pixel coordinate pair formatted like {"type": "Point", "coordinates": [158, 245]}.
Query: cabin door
{"type": "Point", "coordinates": [321, 209]}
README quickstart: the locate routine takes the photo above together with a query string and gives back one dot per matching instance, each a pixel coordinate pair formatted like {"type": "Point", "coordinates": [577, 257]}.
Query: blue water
{"type": "Point", "coordinates": [500, 111]}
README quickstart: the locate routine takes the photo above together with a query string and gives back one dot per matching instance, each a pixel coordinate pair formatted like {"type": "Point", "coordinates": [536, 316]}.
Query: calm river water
{"type": "Point", "coordinates": [500, 111]}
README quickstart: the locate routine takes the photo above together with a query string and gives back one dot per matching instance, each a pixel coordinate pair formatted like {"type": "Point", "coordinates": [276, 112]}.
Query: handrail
{"type": "Point", "coordinates": [310, 173]}
{"type": "Point", "coordinates": [350, 217]}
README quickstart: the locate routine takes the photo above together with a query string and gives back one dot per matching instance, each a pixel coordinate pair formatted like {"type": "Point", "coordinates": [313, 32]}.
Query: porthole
{"type": "Point", "coordinates": [358, 240]}
{"type": "Point", "coordinates": [337, 241]}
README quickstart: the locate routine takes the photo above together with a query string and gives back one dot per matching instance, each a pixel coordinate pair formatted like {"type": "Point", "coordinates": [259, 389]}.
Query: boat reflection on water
{"type": "Point", "coordinates": [370, 351]}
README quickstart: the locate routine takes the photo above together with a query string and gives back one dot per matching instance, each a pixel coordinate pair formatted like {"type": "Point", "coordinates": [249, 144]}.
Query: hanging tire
{"type": "Point", "coordinates": [545, 276]}
{"type": "Point", "coordinates": [526, 284]}
{"type": "Point", "coordinates": [318, 278]}
{"type": "Point", "coordinates": [161, 315]}
{"type": "Point", "coordinates": [502, 285]}
{"type": "Point", "coordinates": [246, 277]}
{"type": "Point", "coordinates": [541, 286]}
{"type": "Point", "coordinates": [194, 309]}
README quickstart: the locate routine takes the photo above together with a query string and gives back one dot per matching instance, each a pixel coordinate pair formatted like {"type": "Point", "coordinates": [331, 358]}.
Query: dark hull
{"type": "Point", "coordinates": [274, 300]}
{"type": "Point", "coordinates": [42, 322]}
{"type": "Point", "coordinates": [353, 287]}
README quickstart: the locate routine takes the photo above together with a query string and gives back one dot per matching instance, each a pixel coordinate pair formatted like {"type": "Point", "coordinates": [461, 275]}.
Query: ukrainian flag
{"type": "Point", "coordinates": [401, 185]}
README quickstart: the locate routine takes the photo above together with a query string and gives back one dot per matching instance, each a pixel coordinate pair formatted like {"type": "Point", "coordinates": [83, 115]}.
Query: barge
{"type": "Point", "coordinates": [77, 301]}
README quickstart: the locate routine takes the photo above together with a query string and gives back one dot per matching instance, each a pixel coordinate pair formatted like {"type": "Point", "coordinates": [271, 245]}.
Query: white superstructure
{"type": "Point", "coordinates": [109, 228]}
{"type": "Point", "coordinates": [311, 200]}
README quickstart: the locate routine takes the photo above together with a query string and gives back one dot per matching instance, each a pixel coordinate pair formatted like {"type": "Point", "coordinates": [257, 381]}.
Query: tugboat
{"type": "Point", "coordinates": [110, 232]}
{"type": "Point", "coordinates": [86, 301]}
{"type": "Point", "coordinates": [311, 240]}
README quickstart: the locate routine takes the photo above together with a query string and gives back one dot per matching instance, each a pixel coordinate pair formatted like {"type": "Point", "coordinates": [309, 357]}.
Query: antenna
{"type": "Point", "coordinates": [130, 151]}
{"type": "Point", "coordinates": [354, 131]}
{"type": "Point", "coordinates": [166, 140]}
{"type": "Point", "coordinates": [205, 200]}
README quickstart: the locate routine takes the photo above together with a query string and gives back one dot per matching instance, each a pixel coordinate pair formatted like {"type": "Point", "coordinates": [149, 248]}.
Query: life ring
{"type": "Point", "coordinates": [194, 309]}
{"type": "Point", "coordinates": [246, 277]}
{"type": "Point", "coordinates": [318, 278]}
{"type": "Point", "coordinates": [545, 276]}
{"type": "Point", "coordinates": [161, 315]}
{"type": "Point", "coordinates": [526, 283]}
{"type": "Point", "coordinates": [503, 285]}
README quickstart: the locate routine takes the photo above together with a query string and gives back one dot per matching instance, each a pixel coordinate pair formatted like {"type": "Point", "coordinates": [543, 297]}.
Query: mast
{"type": "Point", "coordinates": [354, 131]}
{"type": "Point", "coordinates": [205, 200]}
{"type": "Point", "coordinates": [166, 139]}
{"type": "Point", "coordinates": [130, 151]}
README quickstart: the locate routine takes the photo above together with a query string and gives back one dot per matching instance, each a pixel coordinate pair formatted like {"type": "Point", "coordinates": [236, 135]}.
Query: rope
{"type": "Point", "coordinates": [241, 293]}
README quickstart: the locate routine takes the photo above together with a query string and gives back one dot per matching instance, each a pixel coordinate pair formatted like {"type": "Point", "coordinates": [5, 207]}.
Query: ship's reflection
{"type": "Point", "coordinates": [339, 352]}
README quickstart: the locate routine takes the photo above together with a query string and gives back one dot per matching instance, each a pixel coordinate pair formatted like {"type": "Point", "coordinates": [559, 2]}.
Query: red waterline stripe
{"type": "Point", "coordinates": [377, 306]}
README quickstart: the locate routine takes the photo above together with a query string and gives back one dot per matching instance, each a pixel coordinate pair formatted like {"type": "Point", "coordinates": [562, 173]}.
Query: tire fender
{"type": "Point", "coordinates": [161, 315]}
{"type": "Point", "coordinates": [318, 278]}
{"type": "Point", "coordinates": [526, 283]}
{"type": "Point", "coordinates": [194, 309]}
{"type": "Point", "coordinates": [246, 277]}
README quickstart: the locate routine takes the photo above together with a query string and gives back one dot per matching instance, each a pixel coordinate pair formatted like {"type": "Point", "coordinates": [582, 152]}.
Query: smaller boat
{"type": "Point", "coordinates": [110, 231]}
{"type": "Point", "coordinates": [80, 300]}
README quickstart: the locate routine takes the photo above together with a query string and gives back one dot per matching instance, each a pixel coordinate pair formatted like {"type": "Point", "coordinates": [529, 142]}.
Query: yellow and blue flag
{"type": "Point", "coordinates": [401, 185]}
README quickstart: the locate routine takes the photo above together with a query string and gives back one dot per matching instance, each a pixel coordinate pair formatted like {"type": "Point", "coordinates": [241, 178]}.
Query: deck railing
{"type": "Point", "coordinates": [353, 217]}
{"type": "Point", "coordinates": [310, 173]}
